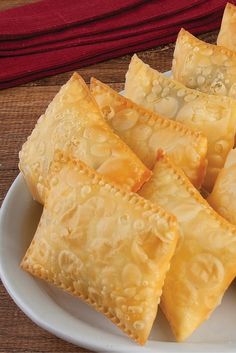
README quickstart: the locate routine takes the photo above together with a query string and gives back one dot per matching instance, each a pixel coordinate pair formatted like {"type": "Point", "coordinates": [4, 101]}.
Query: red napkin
{"type": "Point", "coordinates": [102, 57]}
{"type": "Point", "coordinates": [100, 38]}
{"type": "Point", "coordinates": [141, 14]}
{"type": "Point", "coordinates": [201, 11]}
{"type": "Point", "coordinates": [66, 41]}
{"type": "Point", "coordinates": [17, 70]}
{"type": "Point", "coordinates": [51, 15]}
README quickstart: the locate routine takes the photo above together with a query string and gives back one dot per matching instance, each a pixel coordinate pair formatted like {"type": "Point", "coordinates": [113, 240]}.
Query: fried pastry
{"type": "Point", "coordinates": [204, 263]}
{"type": "Point", "coordinates": [145, 132]}
{"type": "Point", "coordinates": [215, 117]}
{"type": "Point", "coordinates": [74, 123]}
{"type": "Point", "coordinates": [223, 196]}
{"type": "Point", "coordinates": [226, 36]}
{"type": "Point", "coordinates": [206, 67]}
{"type": "Point", "coordinates": [107, 246]}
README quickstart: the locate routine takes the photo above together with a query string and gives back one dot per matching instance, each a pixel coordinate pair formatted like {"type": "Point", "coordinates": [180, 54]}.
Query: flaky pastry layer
{"type": "Point", "coordinates": [207, 67]}
{"type": "Point", "coordinates": [204, 263]}
{"type": "Point", "coordinates": [223, 196]}
{"type": "Point", "coordinates": [215, 117]}
{"type": "Point", "coordinates": [145, 132]}
{"type": "Point", "coordinates": [74, 124]}
{"type": "Point", "coordinates": [107, 246]}
{"type": "Point", "coordinates": [226, 36]}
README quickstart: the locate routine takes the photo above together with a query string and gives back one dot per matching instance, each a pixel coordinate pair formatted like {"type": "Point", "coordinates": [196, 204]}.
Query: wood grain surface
{"type": "Point", "coordinates": [20, 107]}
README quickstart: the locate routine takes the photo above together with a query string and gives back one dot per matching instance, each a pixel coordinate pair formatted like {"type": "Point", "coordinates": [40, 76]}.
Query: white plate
{"type": "Point", "coordinates": [74, 321]}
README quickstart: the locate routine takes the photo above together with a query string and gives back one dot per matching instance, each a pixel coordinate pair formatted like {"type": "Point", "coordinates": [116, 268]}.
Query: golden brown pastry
{"type": "Point", "coordinates": [107, 246]}
{"type": "Point", "coordinates": [74, 123]}
{"type": "Point", "coordinates": [215, 117]}
{"type": "Point", "coordinates": [206, 67]}
{"type": "Point", "coordinates": [204, 263]}
{"type": "Point", "coordinates": [223, 196]}
{"type": "Point", "coordinates": [145, 132]}
{"type": "Point", "coordinates": [226, 36]}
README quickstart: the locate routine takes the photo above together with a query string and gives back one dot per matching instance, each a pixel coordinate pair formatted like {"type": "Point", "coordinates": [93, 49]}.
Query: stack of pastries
{"type": "Point", "coordinates": [121, 177]}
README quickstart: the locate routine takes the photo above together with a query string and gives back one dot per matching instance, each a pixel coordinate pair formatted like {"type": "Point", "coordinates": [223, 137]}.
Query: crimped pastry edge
{"type": "Point", "coordinates": [165, 122]}
{"type": "Point", "coordinates": [42, 274]}
{"type": "Point", "coordinates": [144, 172]}
{"type": "Point", "coordinates": [144, 204]}
{"type": "Point", "coordinates": [181, 177]}
{"type": "Point", "coordinates": [62, 158]}
{"type": "Point", "coordinates": [199, 137]}
{"type": "Point", "coordinates": [200, 43]}
{"type": "Point", "coordinates": [173, 83]}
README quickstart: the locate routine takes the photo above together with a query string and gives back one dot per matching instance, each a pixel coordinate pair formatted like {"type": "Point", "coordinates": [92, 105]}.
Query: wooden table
{"type": "Point", "coordinates": [19, 109]}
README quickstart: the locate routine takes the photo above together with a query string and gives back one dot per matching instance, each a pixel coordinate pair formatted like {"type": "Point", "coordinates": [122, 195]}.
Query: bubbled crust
{"type": "Point", "coordinates": [207, 67]}
{"type": "Point", "coordinates": [145, 132]}
{"type": "Point", "coordinates": [223, 196]}
{"type": "Point", "coordinates": [215, 117]}
{"type": "Point", "coordinates": [204, 263]}
{"type": "Point", "coordinates": [74, 123]}
{"type": "Point", "coordinates": [226, 36]}
{"type": "Point", "coordinates": [107, 246]}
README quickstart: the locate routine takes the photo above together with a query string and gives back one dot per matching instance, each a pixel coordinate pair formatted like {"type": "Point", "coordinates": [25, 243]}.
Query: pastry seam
{"type": "Point", "coordinates": [180, 176]}
{"type": "Point", "coordinates": [172, 83]}
{"type": "Point", "coordinates": [165, 122]}
{"type": "Point", "coordinates": [60, 160]}
{"type": "Point", "coordinates": [216, 48]}
{"type": "Point", "coordinates": [43, 274]}
{"type": "Point", "coordinates": [100, 180]}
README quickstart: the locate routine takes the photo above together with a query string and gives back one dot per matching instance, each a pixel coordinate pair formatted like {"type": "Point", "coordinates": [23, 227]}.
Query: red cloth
{"type": "Point", "coordinates": [17, 70]}
{"type": "Point", "coordinates": [51, 15]}
{"type": "Point", "coordinates": [201, 12]}
{"type": "Point", "coordinates": [142, 14]}
{"type": "Point", "coordinates": [145, 25]}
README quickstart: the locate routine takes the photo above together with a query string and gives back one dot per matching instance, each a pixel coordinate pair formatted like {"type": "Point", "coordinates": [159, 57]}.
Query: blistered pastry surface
{"type": "Point", "coordinates": [215, 117]}
{"type": "Point", "coordinates": [223, 196]}
{"type": "Point", "coordinates": [226, 36]}
{"type": "Point", "coordinates": [206, 67]}
{"type": "Point", "coordinates": [107, 246]}
{"type": "Point", "coordinates": [204, 263]}
{"type": "Point", "coordinates": [145, 133]}
{"type": "Point", "coordinates": [74, 124]}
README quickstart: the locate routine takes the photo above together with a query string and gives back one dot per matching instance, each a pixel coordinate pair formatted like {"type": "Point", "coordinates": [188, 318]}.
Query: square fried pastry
{"type": "Point", "coordinates": [145, 132]}
{"type": "Point", "coordinates": [223, 196]}
{"type": "Point", "coordinates": [74, 124]}
{"type": "Point", "coordinates": [107, 246]}
{"type": "Point", "coordinates": [206, 67]}
{"type": "Point", "coordinates": [215, 117]}
{"type": "Point", "coordinates": [226, 36]}
{"type": "Point", "coordinates": [204, 263]}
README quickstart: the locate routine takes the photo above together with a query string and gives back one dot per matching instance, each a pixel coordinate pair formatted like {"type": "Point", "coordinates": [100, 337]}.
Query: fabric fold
{"type": "Point", "coordinates": [51, 15]}
{"type": "Point", "coordinates": [144, 14]}
{"type": "Point", "coordinates": [66, 65]}
{"type": "Point", "coordinates": [47, 37]}
{"type": "Point", "coordinates": [164, 25]}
